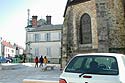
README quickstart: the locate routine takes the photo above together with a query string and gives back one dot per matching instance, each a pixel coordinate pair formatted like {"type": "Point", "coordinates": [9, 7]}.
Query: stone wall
{"type": "Point", "coordinates": [107, 24]}
{"type": "Point", "coordinates": [103, 43]}
{"type": "Point", "coordinates": [72, 22]}
{"type": "Point", "coordinates": [117, 30]}
{"type": "Point", "coordinates": [111, 25]}
{"type": "Point", "coordinates": [88, 7]}
{"type": "Point", "coordinates": [71, 26]}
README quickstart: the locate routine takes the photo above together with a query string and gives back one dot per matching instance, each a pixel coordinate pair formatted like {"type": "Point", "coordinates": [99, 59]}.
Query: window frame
{"type": "Point", "coordinates": [83, 33]}
{"type": "Point", "coordinates": [85, 68]}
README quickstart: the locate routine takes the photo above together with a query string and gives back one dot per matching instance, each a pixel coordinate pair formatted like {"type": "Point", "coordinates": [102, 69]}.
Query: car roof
{"type": "Point", "coordinates": [101, 54]}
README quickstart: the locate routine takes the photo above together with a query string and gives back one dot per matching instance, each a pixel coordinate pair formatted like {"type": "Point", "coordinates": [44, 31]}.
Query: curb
{"type": "Point", "coordinates": [9, 66]}
{"type": "Point", "coordinates": [38, 81]}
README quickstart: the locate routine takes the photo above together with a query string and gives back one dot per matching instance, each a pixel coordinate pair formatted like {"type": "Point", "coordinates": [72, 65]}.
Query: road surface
{"type": "Point", "coordinates": [21, 72]}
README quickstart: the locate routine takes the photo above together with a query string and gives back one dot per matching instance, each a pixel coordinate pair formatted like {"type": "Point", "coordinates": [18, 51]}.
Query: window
{"type": "Point", "coordinates": [37, 37]}
{"type": "Point", "coordinates": [47, 36]}
{"type": "Point", "coordinates": [103, 65]}
{"type": "Point", "coordinates": [48, 51]}
{"type": "Point", "coordinates": [59, 35]}
{"type": "Point", "coordinates": [36, 51]}
{"type": "Point", "coordinates": [30, 37]}
{"type": "Point", "coordinates": [56, 36]}
{"type": "Point", "coordinates": [42, 37]}
{"type": "Point", "coordinates": [85, 29]}
{"type": "Point", "coordinates": [12, 51]}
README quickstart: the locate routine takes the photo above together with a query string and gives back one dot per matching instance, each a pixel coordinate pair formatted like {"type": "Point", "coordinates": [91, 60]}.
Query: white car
{"type": "Point", "coordinates": [95, 68]}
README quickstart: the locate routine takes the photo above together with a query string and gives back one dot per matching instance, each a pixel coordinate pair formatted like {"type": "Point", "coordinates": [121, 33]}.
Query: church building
{"type": "Point", "coordinates": [93, 26]}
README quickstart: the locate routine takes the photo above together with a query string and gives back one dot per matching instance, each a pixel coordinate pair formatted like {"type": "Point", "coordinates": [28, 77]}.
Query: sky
{"type": "Point", "coordinates": [14, 15]}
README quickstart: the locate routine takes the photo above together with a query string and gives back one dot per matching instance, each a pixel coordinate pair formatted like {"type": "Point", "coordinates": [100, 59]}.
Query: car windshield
{"type": "Point", "coordinates": [103, 65]}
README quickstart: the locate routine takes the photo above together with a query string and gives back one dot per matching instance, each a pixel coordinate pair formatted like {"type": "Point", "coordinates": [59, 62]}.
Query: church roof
{"type": "Point", "coordinates": [73, 2]}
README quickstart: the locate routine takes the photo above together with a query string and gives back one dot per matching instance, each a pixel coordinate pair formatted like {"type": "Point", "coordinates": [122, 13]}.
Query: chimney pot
{"type": "Point", "coordinates": [34, 21]}
{"type": "Point", "coordinates": [48, 19]}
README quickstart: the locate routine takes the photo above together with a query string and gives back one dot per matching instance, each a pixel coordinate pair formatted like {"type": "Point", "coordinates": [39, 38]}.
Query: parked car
{"type": "Point", "coordinates": [95, 68]}
{"type": "Point", "coordinates": [5, 60]}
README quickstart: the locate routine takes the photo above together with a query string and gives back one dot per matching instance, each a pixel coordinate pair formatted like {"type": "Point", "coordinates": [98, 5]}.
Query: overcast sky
{"type": "Point", "coordinates": [13, 16]}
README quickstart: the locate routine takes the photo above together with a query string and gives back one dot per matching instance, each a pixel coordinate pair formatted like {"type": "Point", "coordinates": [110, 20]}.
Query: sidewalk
{"type": "Point", "coordinates": [9, 66]}
{"type": "Point", "coordinates": [27, 71]}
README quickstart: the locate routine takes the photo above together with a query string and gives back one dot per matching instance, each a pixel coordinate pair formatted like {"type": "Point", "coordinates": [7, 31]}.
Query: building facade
{"type": "Point", "coordinates": [19, 49]}
{"type": "Point", "coordinates": [93, 26]}
{"type": "Point", "coordinates": [43, 38]}
{"type": "Point", "coordinates": [8, 49]}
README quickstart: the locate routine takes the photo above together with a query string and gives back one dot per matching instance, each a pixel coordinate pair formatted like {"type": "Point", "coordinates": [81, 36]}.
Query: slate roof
{"type": "Point", "coordinates": [73, 2]}
{"type": "Point", "coordinates": [47, 28]}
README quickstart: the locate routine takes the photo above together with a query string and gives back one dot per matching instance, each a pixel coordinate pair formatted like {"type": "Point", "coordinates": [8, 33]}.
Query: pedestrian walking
{"type": "Point", "coordinates": [45, 60]}
{"type": "Point", "coordinates": [41, 61]}
{"type": "Point", "coordinates": [36, 60]}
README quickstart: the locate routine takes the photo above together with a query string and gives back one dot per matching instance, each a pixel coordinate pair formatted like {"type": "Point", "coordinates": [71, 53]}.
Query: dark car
{"type": "Point", "coordinates": [5, 60]}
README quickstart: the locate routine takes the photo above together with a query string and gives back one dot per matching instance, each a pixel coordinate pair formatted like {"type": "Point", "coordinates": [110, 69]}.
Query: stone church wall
{"type": "Point", "coordinates": [107, 24]}
{"type": "Point", "coordinates": [111, 25]}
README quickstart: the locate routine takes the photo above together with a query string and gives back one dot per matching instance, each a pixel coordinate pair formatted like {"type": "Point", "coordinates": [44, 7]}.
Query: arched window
{"type": "Point", "coordinates": [85, 29]}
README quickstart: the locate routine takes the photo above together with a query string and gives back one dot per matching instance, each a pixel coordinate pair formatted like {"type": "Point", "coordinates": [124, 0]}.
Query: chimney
{"type": "Point", "coordinates": [34, 21]}
{"type": "Point", "coordinates": [48, 20]}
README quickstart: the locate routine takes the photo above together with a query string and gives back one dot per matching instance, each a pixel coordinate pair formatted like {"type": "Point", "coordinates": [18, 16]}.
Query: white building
{"type": "Point", "coordinates": [8, 49]}
{"type": "Point", "coordinates": [19, 49]}
{"type": "Point", "coordinates": [44, 40]}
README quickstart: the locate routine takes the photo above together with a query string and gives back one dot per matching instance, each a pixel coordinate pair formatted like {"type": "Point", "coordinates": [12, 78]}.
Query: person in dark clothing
{"type": "Point", "coordinates": [24, 58]}
{"type": "Point", "coordinates": [36, 61]}
{"type": "Point", "coordinates": [41, 61]}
